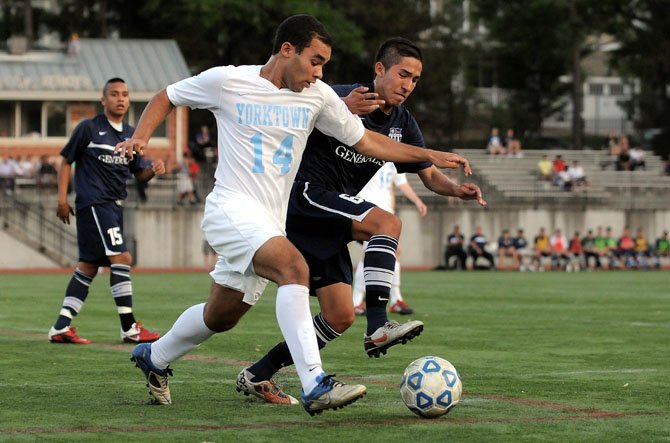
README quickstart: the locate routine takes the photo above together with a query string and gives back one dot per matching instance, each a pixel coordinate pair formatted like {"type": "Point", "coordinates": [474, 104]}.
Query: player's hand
{"type": "Point", "coordinates": [130, 147]}
{"type": "Point", "coordinates": [421, 207]}
{"type": "Point", "coordinates": [63, 211]}
{"type": "Point", "coordinates": [158, 167]}
{"type": "Point", "coordinates": [450, 160]}
{"type": "Point", "coordinates": [470, 191]}
{"type": "Point", "coordinates": [359, 101]}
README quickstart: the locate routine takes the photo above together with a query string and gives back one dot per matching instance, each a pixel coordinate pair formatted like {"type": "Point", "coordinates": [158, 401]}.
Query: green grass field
{"type": "Point", "coordinates": [543, 357]}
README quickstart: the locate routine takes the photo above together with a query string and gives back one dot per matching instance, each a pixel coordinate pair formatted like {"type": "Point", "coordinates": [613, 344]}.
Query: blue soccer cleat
{"type": "Point", "coordinates": [330, 394]}
{"type": "Point", "coordinates": [157, 379]}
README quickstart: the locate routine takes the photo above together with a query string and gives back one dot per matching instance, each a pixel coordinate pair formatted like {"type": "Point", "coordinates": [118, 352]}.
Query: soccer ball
{"type": "Point", "coordinates": [430, 387]}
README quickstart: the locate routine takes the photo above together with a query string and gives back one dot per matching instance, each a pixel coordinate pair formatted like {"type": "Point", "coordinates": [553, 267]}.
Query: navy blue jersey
{"type": "Point", "coordinates": [330, 163]}
{"type": "Point", "coordinates": [100, 174]}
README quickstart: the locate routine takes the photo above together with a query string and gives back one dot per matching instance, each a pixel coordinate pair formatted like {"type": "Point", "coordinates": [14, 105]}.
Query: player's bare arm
{"type": "Point", "coordinates": [360, 101]}
{"type": "Point", "coordinates": [152, 116]}
{"type": "Point", "coordinates": [384, 148]}
{"type": "Point", "coordinates": [64, 210]}
{"type": "Point", "coordinates": [439, 183]}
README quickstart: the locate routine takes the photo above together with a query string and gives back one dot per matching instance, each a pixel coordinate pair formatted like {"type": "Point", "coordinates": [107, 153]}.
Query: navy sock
{"type": "Point", "coordinates": [280, 356]}
{"type": "Point", "coordinates": [75, 295]}
{"type": "Point", "coordinates": [378, 267]}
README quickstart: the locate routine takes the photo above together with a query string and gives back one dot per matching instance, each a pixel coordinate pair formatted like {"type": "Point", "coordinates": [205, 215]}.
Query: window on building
{"type": "Point", "coordinates": [595, 89]}
{"type": "Point", "coordinates": [31, 119]}
{"type": "Point", "coordinates": [616, 89]}
{"type": "Point", "coordinates": [7, 119]}
{"type": "Point", "coordinates": [135, 112]}
{"type": "Point", "coordinates": [56, 119]}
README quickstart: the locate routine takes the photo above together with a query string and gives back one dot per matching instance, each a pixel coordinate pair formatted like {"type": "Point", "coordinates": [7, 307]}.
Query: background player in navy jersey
{"type": "Point", "coordinates": [324, 216]}
{"type": "Point", "coordinates": [100, 184]}
{"type": "Point", "coordinates": [264, 115]}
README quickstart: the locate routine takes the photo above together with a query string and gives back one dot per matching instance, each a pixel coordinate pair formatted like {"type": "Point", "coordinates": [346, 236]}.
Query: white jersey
{"type": "Point", "coordinates": [263, 130]}
{"type": "Point", "coordinates": [379, 189]}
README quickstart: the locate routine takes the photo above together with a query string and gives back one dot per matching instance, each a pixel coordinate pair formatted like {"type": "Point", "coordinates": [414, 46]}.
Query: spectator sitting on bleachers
{"type": "Point", "coordinates": [477, 248]}
{"type": "Point", "coordinates": [637, 158]}
{"type": "Point", "coordinates": [625, 251]}
{"type": "Point", "coordinates": [545, 168]}
{"type": "Point", "coordinates": [623, 162]}
{"type": "Point", "coordinates": [520, 244]}
{"type": "Point", "coordinates": [642, 249]}
{"type": "Point", "coordinates": [576, 252]}
{"type": "Point", "coordinates": [662, 248]}
{"type": "Point", "coordinates": [559, 250]}
{"type": "Point", "coordinates": [494, 145]}
{"type": "Point", "coordinates": [541, 248]}
{"type": "Point", "coordinates": [560, 173]}
{"type": "Point", "coordinates": [590, 251]}
{"type": "Point", "coordinates": [46, 173]}
{"type": "Point", "coordinates": [577, 176]}
{"type": "Point", "coordinates": [455, 248]}
{"type": "Point", "coordinates": [512, 144]}
{"type": "Point", "coordinates": [666, 169]}
{"type": "Point", "coordinates": [612, 248]}
{"type": "Point", "coordinates": [506, 248]}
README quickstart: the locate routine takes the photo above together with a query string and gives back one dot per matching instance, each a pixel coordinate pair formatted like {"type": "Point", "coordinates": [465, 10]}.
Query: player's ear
{"type": "Point", "coordinates": [379, 69]}
{"type": "Point", "coordinates": [287, 49]}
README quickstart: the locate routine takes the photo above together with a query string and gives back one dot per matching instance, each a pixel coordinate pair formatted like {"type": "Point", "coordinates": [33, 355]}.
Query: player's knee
{"type": "Point", "coordinates": [344, 323]}
{"type": "Point", "coordinates": [294, 270]}
{"type": "Point", "coordinates": [219, 321]}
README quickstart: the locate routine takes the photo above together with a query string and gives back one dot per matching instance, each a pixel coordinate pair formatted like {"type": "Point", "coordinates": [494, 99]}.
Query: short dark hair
{"type": "Point", "coordinates": [299, 30]}
{"type": "Point", "coordinates": [109, 82]}
{"type": "Point", "coordinates": [392, 50]}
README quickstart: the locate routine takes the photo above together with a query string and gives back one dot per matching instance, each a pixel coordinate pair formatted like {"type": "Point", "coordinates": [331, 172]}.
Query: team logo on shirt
{"type": "Point", "coordinates": [396, 134]}
{"type": "Point", "coordinates": [354, 157]}
{"type": "Point", "coordinates": [113, 159]}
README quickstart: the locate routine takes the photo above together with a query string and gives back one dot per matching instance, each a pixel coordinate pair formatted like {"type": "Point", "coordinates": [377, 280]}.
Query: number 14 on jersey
{"type": "Point", "coordinates": [283, 156]}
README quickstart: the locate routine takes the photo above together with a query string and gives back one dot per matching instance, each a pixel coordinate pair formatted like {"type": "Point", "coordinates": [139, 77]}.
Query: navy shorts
{"type": "Point", "coordinates": [100, 233]}
{"type": "Point", "coordinates": [318, 223]}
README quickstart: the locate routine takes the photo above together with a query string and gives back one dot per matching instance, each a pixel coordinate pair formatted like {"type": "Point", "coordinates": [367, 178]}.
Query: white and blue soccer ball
{"type": "Point", "coordinates": [430, 386]}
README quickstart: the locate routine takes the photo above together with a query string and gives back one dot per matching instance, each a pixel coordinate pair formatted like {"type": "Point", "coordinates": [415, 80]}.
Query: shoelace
{"type": "Point", "coordinates": [328, 380]}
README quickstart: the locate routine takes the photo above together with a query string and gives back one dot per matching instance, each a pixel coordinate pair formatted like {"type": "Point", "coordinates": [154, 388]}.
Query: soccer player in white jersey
{"type": "Point", "coordinates": [264, 115]}
{"type": "Point", "coordinates": [380, 190]}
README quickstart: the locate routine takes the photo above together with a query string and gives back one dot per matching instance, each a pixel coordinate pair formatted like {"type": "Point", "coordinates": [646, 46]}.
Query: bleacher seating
{"type": "Point", "coordinates": [512, 179]}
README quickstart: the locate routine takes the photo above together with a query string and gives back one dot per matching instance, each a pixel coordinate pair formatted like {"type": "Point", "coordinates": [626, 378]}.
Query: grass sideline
{"type": "Point", "coordinates": [543, 357]}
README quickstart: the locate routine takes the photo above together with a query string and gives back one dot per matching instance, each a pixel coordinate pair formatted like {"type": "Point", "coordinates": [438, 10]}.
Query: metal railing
{"type": "Point", "coordinates": [28, 223]}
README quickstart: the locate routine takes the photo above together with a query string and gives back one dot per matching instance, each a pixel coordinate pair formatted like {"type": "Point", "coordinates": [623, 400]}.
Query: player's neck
{"type": "Point", "coordinates": [271, 72]}
{"type": "Point", "coordinates": [118, 119]}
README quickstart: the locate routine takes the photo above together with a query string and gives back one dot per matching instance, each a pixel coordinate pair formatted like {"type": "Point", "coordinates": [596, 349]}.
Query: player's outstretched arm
{"type": "Point", "coordinates": [383, 148]}
{"type": "Point", "coordinates": [152, 116]}
{"type": "Point", "coordinates": [439, 183]}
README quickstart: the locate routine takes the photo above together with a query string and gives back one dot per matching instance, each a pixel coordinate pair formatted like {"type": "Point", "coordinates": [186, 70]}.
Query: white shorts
{"type": "Point", "coordinates": [236, 227]}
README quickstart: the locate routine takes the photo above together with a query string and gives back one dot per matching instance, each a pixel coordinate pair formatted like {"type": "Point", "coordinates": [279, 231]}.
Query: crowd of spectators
{"type": "Point", "coordinates": [558, 173]}
{"type": "Point", "coordinates": [622, 156]}
{"type": "Point", "coordinates": [510, 145]}
{"type": "Point", "coordinates": [597, 250]}
{"type": "Point", "coordinates": [42, 171]}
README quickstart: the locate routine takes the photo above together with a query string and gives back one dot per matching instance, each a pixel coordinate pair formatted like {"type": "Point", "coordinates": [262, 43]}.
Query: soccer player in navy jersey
{"type": "Point", "coordinates": [324, 216]}
{"type": "Point", "coordinates": [264, 115]}
{"type": "Point", "coordinates": [100, 185]}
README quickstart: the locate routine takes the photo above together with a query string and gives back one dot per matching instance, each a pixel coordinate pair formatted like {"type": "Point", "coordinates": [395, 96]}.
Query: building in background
{"type": "Point", "coordinates": [44, 94]}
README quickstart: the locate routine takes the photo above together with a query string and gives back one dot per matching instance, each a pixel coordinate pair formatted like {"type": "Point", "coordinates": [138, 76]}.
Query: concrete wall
{"type": "Point", "coordinates": [172, 237]}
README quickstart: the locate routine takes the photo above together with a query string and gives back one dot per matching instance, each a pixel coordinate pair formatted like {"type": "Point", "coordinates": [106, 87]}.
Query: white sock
{"type": "Point", "coordinates": [359, 284]}
{"type": "Point", "coordinates": [395, 285]}
{"type": "Point", "coordinates": [295, 322]}
{"type": "Point", "coordinates": [186, 334]}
